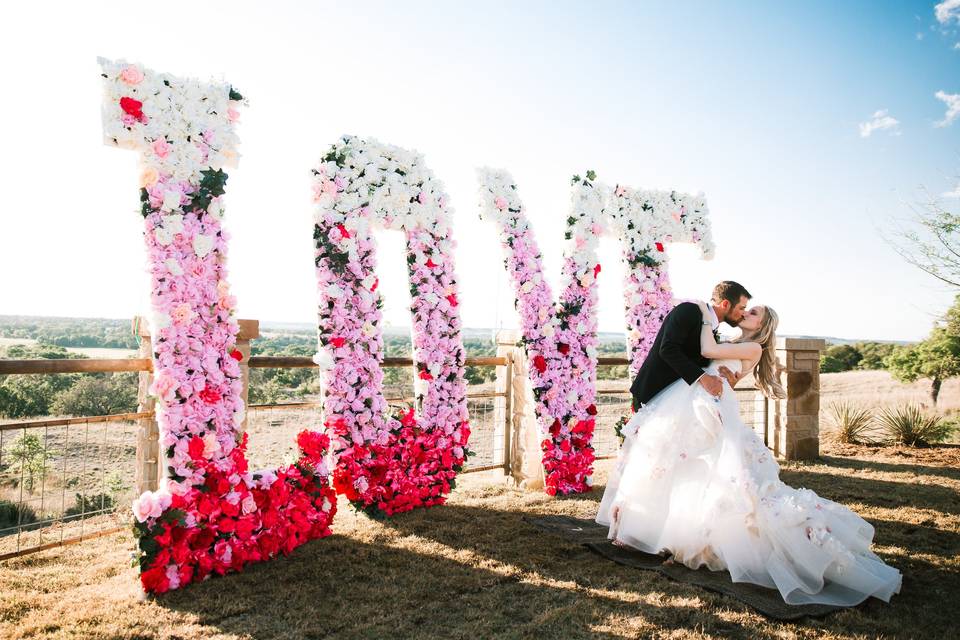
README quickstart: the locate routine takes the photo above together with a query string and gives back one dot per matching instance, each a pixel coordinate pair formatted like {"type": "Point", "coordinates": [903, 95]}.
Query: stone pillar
{"type": "Point", "coordinates": [793, 427]}
{"type": "Point", "coordinates": [149, 468]}
{"type": "Point", "coordinates": [525, 458]}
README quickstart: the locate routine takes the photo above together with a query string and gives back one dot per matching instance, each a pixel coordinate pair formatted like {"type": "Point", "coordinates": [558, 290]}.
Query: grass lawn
{"type": "Point", "coordinates": [475, 569]}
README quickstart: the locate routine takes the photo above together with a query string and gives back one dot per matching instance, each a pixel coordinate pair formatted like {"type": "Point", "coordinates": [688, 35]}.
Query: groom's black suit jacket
{"type": "Point", "coordinates": [675, 354]}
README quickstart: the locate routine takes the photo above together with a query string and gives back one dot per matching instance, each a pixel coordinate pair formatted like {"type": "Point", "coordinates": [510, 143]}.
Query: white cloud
{"type": "Point", "coordinates": [881, 121]}
{"type": "Point", "coordinates": [957, 46]}
{"type": "Point", "coordinates": [948, 10]}
{"type": "Point", "coordinates": [952, 101]}
{"type": "Point", "coordinates": [952, 194]}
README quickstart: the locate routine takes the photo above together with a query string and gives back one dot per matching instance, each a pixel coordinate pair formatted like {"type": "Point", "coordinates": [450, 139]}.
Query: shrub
{"type": "Point", "coordinates": [909, 425]}
{"type": "Point", "coordinates": [89, 506]}
{"type": "Point", "coordinates": [12, 514]}
{"type": "Point", "coordinates": [854, 424]}
{"type": "Point", "coordinates": [98, 396]}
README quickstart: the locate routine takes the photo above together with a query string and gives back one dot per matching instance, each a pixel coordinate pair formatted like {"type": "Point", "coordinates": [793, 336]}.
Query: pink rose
{"type": "Point", "coordinates": [233, 114]}
{"type": "Point", "coordinates": [161, 147]}
{"type": "Point", "coordinates": [131, 75]}
{"type": "Point", "coordinates": [182, 313]}
{"type": "Point", "coordinates": [500, 203]}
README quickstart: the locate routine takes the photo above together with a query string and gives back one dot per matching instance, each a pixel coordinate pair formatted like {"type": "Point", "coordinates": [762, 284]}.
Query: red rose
{"type": "Point", "coordinates": [338, 342]}
{"type": "Point", "coordinates": [565, 446]}
{"type": "Point", "coordinates": [563, 348]}
{"type": "Point", "coordinates": [659, 246]}
{"type": "Point", "coordinates": [596, 270]}
{"type": "Point", "coordinates": [592, 410]}
{"type": "Point", "coordinates": [343, 231]}
{"type": "Point", "coordinates": [539, 363]}
{"type": "Point", "coordinates": [408, 419]}
{"type": "Point", "coordinates": [375, 283]}
{"type": "Point", "coordinates": [452, 299]}
{"type": "Point", "coordinates": [132, 107]}
{"type": "Point", "coordinates": [236, 355]}
{"type": "Point", "coordinates": [555, 427]}
{"type": "Point", "coordinates": [425, 375]}
{"type": "Point", "coordinates": [195, 448]}
{"type": "Point", "coordinates": [210, 395]}
{"type": "Point", "coordinates": [431, 263]}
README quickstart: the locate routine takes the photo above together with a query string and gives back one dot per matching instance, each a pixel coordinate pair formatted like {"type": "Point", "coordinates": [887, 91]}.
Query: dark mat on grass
{"type": "Point", "coordinates": [594, 536]}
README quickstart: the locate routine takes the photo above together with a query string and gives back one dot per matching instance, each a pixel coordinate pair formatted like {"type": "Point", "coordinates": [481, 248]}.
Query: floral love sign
{"type": "Point", "coordinates": [211, 514]}
{"type": "Point", "coordinates": [560, 337]}
{"type": "Point", "coordinates": [387, 463]}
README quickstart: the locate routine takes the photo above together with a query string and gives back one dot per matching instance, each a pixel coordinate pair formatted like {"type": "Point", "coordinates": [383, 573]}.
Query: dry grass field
{"type": "Point", "coordinates": [475, 569]}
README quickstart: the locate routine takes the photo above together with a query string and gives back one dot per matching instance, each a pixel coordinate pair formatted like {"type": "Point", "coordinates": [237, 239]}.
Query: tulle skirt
{"type": "Point", "coordinates": [693, 480]}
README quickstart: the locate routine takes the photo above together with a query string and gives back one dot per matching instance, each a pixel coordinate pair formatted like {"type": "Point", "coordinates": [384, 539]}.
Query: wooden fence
{"type": "Point", "coordinates": [504, 427]}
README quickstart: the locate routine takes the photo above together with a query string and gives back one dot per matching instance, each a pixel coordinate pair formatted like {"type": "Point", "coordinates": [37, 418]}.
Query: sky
{"type": "Point", "coordinates": [812, 128]}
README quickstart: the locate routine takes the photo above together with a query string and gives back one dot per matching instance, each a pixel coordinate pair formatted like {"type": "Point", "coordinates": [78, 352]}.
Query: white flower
{"type": "Point", "coordinates": [158, 321]}
{"type": "Point", "coordinates": [216, 209]}
{"type": "Point", "coordinates": [202, 244]}
{"type": "Point", "coordinates": [173, 223]}
{"type": "Point", "coordinates": [163, 236]}
{"type": "Point", "coordinates": [334, 291]}
{"type": "Point", "coordinates": [173, 266]}
{"type": "Point", "coordinates": [171, 200]}
{"type": "Point", "coordinates": [323, 359]}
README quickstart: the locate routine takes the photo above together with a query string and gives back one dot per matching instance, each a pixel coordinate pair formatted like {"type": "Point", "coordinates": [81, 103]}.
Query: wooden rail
{"type": "Point", "coordinates": [109, 365]}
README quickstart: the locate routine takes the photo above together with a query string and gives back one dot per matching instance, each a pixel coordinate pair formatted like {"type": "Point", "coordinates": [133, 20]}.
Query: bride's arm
{"type": "Point", "coordinates": [733, 350]}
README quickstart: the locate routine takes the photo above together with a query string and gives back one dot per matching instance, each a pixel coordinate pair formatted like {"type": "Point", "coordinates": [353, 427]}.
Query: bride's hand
{"type": "Point", "coordinates": [703, 308]}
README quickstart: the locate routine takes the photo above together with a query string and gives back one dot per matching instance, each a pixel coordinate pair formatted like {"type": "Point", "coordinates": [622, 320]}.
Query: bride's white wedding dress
{"type": "Point", "coordinates": [692, 479]}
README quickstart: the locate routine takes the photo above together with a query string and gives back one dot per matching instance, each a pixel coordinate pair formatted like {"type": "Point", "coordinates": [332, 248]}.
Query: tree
{"type": "Point", "coordinates": [26, 395]}
{"type": "Point", "coordinates": [31, 454]}
{"type": "Point", "coordinates": [931, 241]}
{"type": "Point", "coordinates": [98, 396]}
{"type": "Point", "coordinates": [873, 353]}
{"type": "Point", "coordinates": [937, 358]}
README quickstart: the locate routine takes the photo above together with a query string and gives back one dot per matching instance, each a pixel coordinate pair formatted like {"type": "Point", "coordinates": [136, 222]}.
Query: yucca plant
{"type": "Point", "coordinates": [854, 424]}
{"type": "Point", "coordinates": [909, 425]}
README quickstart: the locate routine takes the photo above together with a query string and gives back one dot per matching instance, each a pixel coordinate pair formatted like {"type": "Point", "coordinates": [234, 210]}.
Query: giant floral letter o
{"type": "Point", "coordinates": [210, 514]}
{"type": "Point", "coordinates": [387, 463]}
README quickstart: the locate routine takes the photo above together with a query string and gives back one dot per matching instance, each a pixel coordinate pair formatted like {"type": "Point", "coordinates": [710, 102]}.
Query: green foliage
{"type": "Point", "coordinates": [909, 425]}
{"type": "Point", "coordinates": [31, 455]}
{"type": "Point", "coordinates": [872, 354]}
{"type": "Point", "coordinates": [98, 395]}
{"type": "Point", "coordinates": [23, 396]}
{"type": "Point", "coordinates": [858, 356]}
{"type": "Point", "coordinates": [854, 424]}
{"type": "Point", "coordinates": [69, 332]}
{"type": "Point", "coordinates": [937, 358]}
{"type": "Point", "coordinates": [89, 506]}
{"type": "Point", "coordinates": [13, 514]}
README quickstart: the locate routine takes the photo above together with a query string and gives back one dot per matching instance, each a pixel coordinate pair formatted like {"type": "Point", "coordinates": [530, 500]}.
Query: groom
{"type": "Point", "coordinates": [676, 351]}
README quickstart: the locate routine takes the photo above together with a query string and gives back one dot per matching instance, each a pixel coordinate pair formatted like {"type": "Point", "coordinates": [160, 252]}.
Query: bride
{"type": "Point", "coordinates": [693, 480]}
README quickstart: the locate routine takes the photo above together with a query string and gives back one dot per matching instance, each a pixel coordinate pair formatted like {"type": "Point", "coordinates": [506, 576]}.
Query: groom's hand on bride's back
{"type": "Point", "coordinates": [713, 384]}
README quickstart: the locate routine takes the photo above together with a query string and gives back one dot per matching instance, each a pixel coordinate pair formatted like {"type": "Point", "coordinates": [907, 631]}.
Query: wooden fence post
{"type": "Point", "coordinates": [149, 467]}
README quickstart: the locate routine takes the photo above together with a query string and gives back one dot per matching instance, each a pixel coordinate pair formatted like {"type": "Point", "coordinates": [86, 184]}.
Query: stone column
{"type": "Point", "coordinates": [525, 461]}
{"type": "Point", "coordinates": [793, 428]}
{"type": "Point", "coordinates": [149, 468]}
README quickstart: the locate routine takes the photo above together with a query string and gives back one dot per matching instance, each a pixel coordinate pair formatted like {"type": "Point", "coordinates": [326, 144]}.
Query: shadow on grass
{"type": "Point", "coordinates": [857, 464]}
{"type": "Point", "coordinates": [343, 587]}
{"type": "Point", "coordinates": [872, 491]}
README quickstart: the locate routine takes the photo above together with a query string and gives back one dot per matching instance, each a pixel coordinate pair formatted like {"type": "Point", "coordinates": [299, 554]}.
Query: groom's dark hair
{"type": "Point", "coordinates": [731, 291]}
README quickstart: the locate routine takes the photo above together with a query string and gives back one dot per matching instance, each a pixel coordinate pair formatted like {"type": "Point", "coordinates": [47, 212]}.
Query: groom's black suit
{"type": "Point", "coordinates": [675, 354]}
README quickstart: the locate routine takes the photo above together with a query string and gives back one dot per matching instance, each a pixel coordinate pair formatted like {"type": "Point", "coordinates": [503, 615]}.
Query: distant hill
{"type": "Point", "coordinates": [102, 332]}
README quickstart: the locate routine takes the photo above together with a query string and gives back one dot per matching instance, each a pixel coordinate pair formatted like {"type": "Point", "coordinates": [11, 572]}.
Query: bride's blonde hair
{"type": "Point", "coordinates": [765, 373]}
